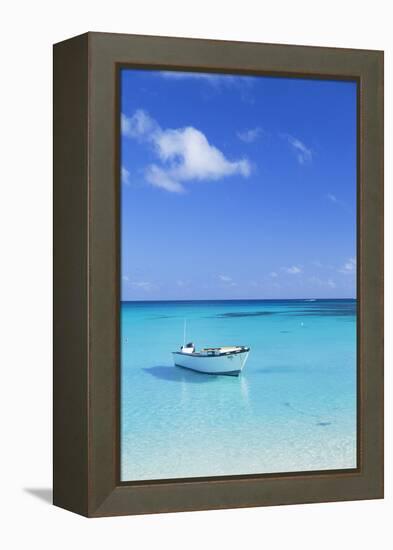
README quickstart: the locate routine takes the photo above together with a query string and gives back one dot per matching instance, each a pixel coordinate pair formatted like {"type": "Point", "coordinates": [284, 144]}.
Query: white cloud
{"type": "Point", "coordinates": [339, 203]}
{"type": "Point", "coordinates": [349, 267]}
{"type": "Point", "coordinates": [303, 153]}
{"type": "Point", "coordinates": [332, 197]}
{"type": "Point", "coordinates": [215, 82]}
{"type": "Point", "coordinates": [273, 274]}
{"type": "Point", "coordinates": [331, 283]}
{"type": "Point", "coordinates": [125, 278]}
{"type": "Point", "coordinates": [185, 154]}
{"type": "Point", "coordinates": [250, 135]}
{"type": "Point", "coordinates": [125, 176]}
{"type": "Point", "coordinates": [213, 79]}
{"type": "Point", "coordinates": [227, 280]}
{"type": "Point", "coordinates": [143, 285]}
{"type": "Point", "coordinates": [161, 178]}
{"type": "Point", "coordinates": [197, 159]}
{"type": "Point", "coordinates": [293, 270]}
{"type": "Point", "coordinates": [140, 125]}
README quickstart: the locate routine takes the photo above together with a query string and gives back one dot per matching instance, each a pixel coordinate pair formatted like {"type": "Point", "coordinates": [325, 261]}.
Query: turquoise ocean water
{"type": "Point", "coordinates": [293, 408]}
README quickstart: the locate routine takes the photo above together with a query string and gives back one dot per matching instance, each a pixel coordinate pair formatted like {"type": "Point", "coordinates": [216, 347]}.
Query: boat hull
{"type": "Point", "coordinates": [229, 364]}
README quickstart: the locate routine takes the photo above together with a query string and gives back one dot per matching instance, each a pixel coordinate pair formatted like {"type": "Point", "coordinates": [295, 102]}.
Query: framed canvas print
{"type": "Point", "coordinates": [218, 274]}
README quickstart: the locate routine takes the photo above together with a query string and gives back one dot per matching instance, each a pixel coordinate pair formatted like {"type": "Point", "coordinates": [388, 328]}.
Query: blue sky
{"type": "Point", "coordinates": [237, 187]}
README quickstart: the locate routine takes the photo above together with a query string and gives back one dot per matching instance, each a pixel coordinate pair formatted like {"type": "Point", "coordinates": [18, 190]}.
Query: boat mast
{"type": "Point", "coordinates": [184, 332]}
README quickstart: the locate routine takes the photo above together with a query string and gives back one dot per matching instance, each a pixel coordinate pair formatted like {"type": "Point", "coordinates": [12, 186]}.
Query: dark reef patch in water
{"type": "Point", "coordinates": [303, 310]}
{"type": "Point", "coordinates": [160, 317]}
{"type": "Point", "coordinates": [323, 423]}
{"type": "Point", "coordinates": [236, 314]}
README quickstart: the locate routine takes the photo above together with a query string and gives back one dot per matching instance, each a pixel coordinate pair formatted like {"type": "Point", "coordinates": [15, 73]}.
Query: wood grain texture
{"type": "Point", "coordinates": [70, 264]}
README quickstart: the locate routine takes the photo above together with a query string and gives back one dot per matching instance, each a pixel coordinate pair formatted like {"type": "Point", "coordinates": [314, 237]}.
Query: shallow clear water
{"type": "Point", "coordinates": [293, 408]}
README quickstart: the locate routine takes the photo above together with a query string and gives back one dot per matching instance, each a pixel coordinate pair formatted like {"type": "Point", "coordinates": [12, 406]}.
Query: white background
{"type": "Point", "coordinates": [28, 30]}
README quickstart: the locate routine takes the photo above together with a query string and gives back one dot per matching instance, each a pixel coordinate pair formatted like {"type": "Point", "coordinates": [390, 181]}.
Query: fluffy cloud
{"type": "Point", "coordinates": [303, 153]}
{"type": "Point", "coordinates": [125, 176]}
{"type": "Point", "coordinates": [293, 270]}
{"type": "Point", "coordinates": [139, 126]}
{"type": "Point", "coordinates": [185, 154]}
{"type": "Point", "coordinates": [228, 281]}
{"type": "Point", "coordinates": [159, 177]}
{"type": "Point", "coordinates": [211, 78]}
{"type": "Point", "coordinates": [215, 80]}
{"type": "Point", "coordinates": [250, 135]}
{"type": "Point", "coordinates": [349, 267]}
{"type": "Point", "coordinates": [145, 285]}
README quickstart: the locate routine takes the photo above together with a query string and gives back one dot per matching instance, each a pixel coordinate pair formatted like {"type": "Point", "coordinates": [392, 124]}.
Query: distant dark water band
{"type": "Point", "coordinates": [299, 313]}
{"type": "Point", "coordinates": [303, 301]}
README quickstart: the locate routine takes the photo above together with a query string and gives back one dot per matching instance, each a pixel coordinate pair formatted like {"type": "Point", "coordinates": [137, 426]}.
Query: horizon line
{"type": "Point", "coordinates": [238, 299]}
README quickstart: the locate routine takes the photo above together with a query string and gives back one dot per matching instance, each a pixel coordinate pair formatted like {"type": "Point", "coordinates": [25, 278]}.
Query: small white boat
{"type": "Point", "coordinates": [228, 360]}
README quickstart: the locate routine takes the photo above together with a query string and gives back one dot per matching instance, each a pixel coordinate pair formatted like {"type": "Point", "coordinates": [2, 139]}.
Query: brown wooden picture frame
{"type": "Point", "coordinates": [86, 275]}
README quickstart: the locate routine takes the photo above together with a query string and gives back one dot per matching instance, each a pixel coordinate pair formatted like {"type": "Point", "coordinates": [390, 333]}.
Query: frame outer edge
{"type": "Point", "coordinates": [372, 272]}
{"type": "Point", "coordinates": [106, 497]}
{"type": "Point", "coordinates": [70, 269]}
